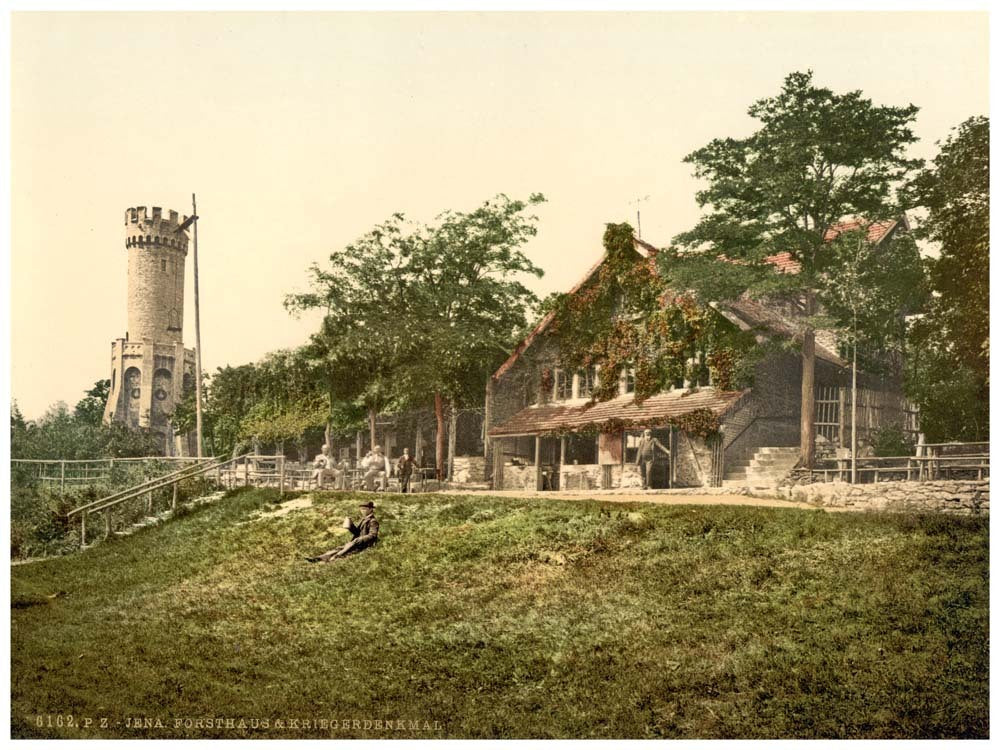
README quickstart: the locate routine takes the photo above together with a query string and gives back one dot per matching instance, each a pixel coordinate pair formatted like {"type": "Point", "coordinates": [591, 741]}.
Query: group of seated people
{"type": "Point", "coordinates": [374, 470]}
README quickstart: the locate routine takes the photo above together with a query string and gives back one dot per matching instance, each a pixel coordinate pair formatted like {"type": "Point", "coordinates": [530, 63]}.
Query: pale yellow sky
{"type": "Point", "coordinates": [300, 131]}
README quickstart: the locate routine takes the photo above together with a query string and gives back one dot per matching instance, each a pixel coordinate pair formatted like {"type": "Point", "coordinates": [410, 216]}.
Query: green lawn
{"type": "Point", "coordinates": [511, 618]}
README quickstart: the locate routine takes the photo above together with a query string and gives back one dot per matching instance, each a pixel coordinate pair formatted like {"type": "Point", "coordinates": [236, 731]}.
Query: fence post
{"type": "Point", "coordinates": [218, 474]}
{"type": "Point", "coordinates": [246, 472]}
{"type": "Point", "coordinates": [107, 523]}
{"type": "Point", "coordinates": [173, 499]}
{"type": "Point", "coordinates": [83, 529]}
{"type": "Point", "coordinates": [281, 476]}
{"type": "Point", "coordinates": [149, 495]}
{"type": "Point", "coordinates": [62, 476]}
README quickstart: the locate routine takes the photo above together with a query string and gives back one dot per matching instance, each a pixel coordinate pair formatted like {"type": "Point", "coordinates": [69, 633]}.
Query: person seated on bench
{"type": "Point", "coordinates": [364, 534]}
{"type": "Point", "coordinates": [376, 466]}
{"type": "Point", "coordinates": [324, 467]}
{"type": "Point", "coordinates": [344, 469]}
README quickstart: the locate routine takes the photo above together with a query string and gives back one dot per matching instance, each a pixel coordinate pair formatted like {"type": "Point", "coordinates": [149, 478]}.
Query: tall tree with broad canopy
{"type": "Point", "coordinates": [417, 312]}
{"type": "Point", "coordinates": [468, 304]}
{"type": "Point", "coordinates": [949, 377]}
{"type": "Point", "coordinates": [817, 158]}
{"type": "Point", "coordinates": [364, 293]}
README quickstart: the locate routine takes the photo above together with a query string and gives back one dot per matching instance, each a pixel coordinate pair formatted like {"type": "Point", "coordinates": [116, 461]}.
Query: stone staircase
{"type": "Point", "coordinates": [768, 467]}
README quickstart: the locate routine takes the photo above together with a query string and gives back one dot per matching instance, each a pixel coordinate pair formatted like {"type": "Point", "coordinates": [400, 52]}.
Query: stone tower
{"type": "Point", "coordinates": [150, 368]}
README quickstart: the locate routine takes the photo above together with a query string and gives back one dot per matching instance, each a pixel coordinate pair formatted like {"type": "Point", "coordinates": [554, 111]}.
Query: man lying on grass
{"type": "Point", "coordinates": [364, 533]}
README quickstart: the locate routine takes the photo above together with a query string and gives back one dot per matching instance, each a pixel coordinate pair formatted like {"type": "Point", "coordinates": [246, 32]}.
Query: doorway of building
{"type": "Point", "coordinates": [660, 478]}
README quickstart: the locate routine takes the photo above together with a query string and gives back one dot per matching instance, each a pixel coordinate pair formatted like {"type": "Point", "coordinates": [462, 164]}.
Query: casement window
{"type": "Point", "coordinates": [563, 385]}
{"type": "Point", "coordinates": [627, 380]}
{"type": "Point", "coordinates": [588, 380]}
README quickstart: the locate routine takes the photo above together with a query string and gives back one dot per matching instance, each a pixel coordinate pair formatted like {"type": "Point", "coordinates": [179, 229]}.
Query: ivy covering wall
{"type": "Point", "coordinates": [628, 316]}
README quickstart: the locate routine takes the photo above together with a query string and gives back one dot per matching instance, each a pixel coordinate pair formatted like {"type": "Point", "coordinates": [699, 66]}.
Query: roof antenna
{"type": "Point", "coordinates": [638, 218]}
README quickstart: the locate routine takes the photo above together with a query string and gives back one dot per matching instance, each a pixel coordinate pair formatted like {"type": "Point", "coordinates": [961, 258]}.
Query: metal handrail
{"type": "Point", "coordinates": [159, 483]}
{"type": "Point", "coordinates": [148, 485]}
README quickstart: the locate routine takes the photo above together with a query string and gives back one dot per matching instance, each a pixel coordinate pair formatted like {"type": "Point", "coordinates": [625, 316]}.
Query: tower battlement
{"type": "Point", "coordinates": [149, 227]}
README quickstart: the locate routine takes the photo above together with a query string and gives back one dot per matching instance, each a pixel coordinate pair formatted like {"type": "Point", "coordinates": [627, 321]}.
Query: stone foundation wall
{"type": "Point", "coordinates": [519, 478]}
{"type": "Point", "coordinates": [626, 477]}
{"type": "Point", "coordinates": [692, 462]}
{"type": "Point", "coordinates": [964, 497]}
{"type": "Point", "coordinates": [580, 477]}
{"type": "Point", "coordinates": [469, 469]}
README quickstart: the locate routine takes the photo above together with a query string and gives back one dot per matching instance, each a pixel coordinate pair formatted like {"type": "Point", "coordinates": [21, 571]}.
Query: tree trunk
{"type": "Point", "coordinates": [807, 427]}
{"type": "Point", "coordinates": [439, 437]}
{"type": "Point", "coordinates": [371, 428]}
{"type": "Point", "coordinates": [452, 433]}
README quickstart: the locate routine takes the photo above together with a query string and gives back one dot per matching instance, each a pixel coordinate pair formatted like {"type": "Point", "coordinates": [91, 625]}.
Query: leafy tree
{"type": "Point", "coordinates": [290, 400]}
{"type": "Point", "coordinates": [867, 290]}
{"type": "Point", "coordinates": [414, 312]}
{"type": "Point", "coordinates": [365, 335]}
{"type": "Point", "coordinates": [90, 409]}
{"type": "Point", "coordinates": [817, 157]}
{"type": "Point", "coordinates": [949, 377]}
{"type": "Point", "coordinates": [62, 434]}
{"type": "Point", "coordinates": [229, 395]}
{"type": "Point", "coordinates": [467, 304]}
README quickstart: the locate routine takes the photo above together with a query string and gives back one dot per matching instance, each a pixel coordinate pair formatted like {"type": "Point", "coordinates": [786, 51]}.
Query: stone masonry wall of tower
{"type": "Point", "coordinates": [150, 369]}
{"type": "Point", "coordinates": [156, 255]}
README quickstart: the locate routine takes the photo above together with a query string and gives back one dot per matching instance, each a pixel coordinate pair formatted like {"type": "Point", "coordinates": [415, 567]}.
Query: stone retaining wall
{"type": "Point", "coordinates": [948, 496]}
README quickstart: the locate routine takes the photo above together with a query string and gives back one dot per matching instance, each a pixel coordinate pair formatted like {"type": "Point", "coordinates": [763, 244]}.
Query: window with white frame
{"type": "Point", "coordinates": [563, 385]}
{"type": "Point", "coordinates": [627, 380]}
{"type": "Point", "coordinates": [588, 380]}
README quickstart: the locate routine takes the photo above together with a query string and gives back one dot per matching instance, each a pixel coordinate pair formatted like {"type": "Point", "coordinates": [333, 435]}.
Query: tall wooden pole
{"type": "Point", "coordinates": [854, 409]}
{"type": "Point", "coordinates": [197, 332]}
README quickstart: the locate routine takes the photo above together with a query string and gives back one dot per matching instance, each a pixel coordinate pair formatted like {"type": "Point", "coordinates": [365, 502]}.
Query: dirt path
{"type": "Point", "coordinates": [662, 497]}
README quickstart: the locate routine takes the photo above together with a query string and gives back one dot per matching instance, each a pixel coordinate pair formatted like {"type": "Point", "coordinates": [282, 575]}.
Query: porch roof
{"type": "Point", "coordinates": [540, 419]}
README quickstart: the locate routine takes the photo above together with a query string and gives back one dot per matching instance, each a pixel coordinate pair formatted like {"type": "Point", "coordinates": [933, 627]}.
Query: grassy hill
{"type": "Point", "coordinates": [510, 618]}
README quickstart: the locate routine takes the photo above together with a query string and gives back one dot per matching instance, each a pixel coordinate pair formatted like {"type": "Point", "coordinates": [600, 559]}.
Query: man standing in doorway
{"type": "Point", "coordinates": [645, 457]}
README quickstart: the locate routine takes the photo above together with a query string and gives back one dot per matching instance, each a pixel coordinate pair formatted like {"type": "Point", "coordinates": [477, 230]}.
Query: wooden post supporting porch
{"type": "Point", "coordinates": [538, 462]}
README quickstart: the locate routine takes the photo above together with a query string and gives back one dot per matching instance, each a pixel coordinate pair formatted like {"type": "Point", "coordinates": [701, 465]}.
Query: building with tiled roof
{"type": "Point", "coordinates": [543, 431]}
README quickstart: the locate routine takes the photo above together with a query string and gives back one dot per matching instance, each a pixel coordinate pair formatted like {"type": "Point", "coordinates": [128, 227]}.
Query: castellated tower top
{"type": "Point", "coordinates": [156, 251]}
{"type": "Point", "coordinates": [151, 228]}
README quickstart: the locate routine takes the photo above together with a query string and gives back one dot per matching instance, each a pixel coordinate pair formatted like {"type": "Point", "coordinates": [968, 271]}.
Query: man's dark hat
{"type": "Point", "coordinates": [369, 504]}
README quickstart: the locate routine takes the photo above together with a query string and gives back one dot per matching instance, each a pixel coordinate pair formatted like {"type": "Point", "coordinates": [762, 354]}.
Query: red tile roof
{"type": "Point", "coordinates": [536, 420]}
{"type": "Point", "coordinates": [877, 231]}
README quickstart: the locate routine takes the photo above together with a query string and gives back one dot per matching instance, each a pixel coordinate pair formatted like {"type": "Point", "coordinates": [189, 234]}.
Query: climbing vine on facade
{"type": "Point", "coordinates": [628, 317]}
{"type": "Point", "coordinates": [703, 423]}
